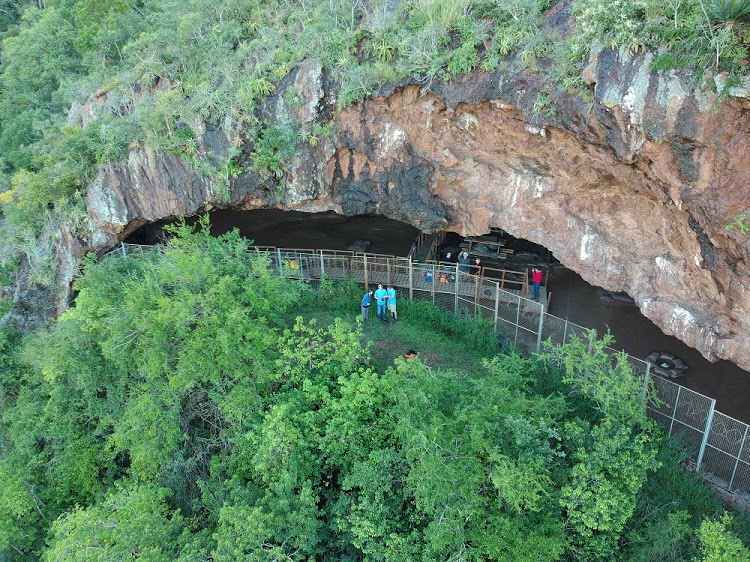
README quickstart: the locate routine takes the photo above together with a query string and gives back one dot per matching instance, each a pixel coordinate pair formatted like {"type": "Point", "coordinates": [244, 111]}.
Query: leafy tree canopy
{"type": "Point", "coordinates": [185, 410]}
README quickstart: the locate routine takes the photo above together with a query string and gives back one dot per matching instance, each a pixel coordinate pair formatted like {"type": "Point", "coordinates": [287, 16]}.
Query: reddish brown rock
{"type": "Point", "coordinates": [634, 193]}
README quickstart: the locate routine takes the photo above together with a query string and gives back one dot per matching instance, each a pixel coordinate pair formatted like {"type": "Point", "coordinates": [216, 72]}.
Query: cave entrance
{"type": "Point", "coordinates": [299, 230]}
{"type": "Point", "coordinates": [498, 255]}
{"type": "Point", "coordinates": [572, 298]}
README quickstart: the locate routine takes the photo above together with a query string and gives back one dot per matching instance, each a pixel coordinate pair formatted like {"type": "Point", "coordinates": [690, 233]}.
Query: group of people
{"type": "Point", "coordinates": [386, 298]}
{"type": "Point", "coordinates": [464, 262]}
{"type": "Point", "coordinates": [383, 298]}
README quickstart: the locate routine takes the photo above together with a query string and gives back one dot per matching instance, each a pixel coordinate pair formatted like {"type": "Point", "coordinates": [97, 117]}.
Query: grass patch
{"type": "Point", "coordinates": [442, 339]}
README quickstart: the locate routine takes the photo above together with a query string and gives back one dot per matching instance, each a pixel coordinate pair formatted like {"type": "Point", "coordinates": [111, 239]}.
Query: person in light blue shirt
{"type": "Point", "coordinates": [463, 260]}
{"type": "Point", "coordinates": [380, 297]}
{"type": "Point", "coordinates": [366, 302]}
{"type": "Point", "coordinates": [391, 298]}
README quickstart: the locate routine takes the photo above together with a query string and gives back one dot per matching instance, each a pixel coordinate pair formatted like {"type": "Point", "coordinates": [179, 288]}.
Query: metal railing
{"type": "Point", "coordinates": [718, 443]}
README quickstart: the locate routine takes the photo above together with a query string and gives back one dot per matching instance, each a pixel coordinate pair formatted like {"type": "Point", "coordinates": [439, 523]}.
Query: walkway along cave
{"type": "Point", "coordinates": [571, 297]}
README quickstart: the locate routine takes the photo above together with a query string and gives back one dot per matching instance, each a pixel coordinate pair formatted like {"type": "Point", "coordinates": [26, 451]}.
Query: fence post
{"type": "Point", "coordinates": [455, 304]}
{"type": "Point", "coordinates": [367, 283]}
{"type": "Point", "coordinates": [565, 332]}
{"type": "Point", "coordinates": [322, 265]}
{"type": "Point", "coordinates": [434, 281]}
{"type": "Point", "coordinates": [497, 306]}
{"type": "Point", "coordinates": [644, 392]}
{"type": "Point", "coordinates": [455, 297]}
{"type": "Point", "coordinates": [518, 318]}
{"type": "Point", "coordinates": [541, 324]}
{"type": "Point", "coordinates": [124, 252]}
{"type": "Point", "coordinates": [674, 410]}
{"type": "Point", "coordinates": [278, 255]}
{"type": "Point", "coordinates": [411, 280]}
{"type": "Point", "coordinates": [739, 456]}
{"type": "Point", "coordinates": [477, 280]}
{"type": "Point", "coordinates": [706, 433]}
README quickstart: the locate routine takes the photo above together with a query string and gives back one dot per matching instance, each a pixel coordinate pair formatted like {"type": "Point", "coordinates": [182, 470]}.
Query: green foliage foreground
{"type": "Point", "coordinates": [174, 414]}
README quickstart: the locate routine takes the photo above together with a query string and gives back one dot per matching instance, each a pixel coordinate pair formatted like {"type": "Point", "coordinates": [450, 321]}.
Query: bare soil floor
{"type": "Point", "coordinates": [571, 296]}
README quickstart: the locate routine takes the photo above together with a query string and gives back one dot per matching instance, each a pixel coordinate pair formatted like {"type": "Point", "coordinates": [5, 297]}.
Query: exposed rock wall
{"type": "Point", "coordinates": [634, 193]}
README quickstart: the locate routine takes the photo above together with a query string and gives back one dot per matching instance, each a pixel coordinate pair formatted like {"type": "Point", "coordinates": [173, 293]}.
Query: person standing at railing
{"type": "Point", "coordinates": [536, 279]}
{"type": "Point", "coordinates": [463, 260]}
{"type": "Point", "coordinates": [380, 297]}
{"type": "Point", "coordinates": [391, 297]}
{"type": "Point", "coordinates": [366, 302]}
{"type": "Point", "coordinates": [477, 266]}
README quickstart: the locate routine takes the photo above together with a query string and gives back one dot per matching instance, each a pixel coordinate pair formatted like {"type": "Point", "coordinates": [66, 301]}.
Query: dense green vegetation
{"type": "Point", "coordinates": [195, 406]}
{"type": "Point", "coordinates": [156, 72]}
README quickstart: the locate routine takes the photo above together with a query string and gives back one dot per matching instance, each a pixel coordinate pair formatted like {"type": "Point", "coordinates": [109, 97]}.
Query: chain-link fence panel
{"type": "Point", "coordinates": [377, 271]}
{"type": "Point", "coordinates": [508, 311]}
{"type": "Point", "coordinates": [575, 331]}
{"type": "Point", "coordinates": [445, 298]}
{"type": "Point", "coordinates": [357, 269]}
{"type": "Point", "coordinates": [741, 474]}
{"type": "Point", "coordinates": [424, 281]}
{"type": "Point", "coordinates": [487, 295]}
{"type": "Point", "coordinates": [530, 326]}
{"type": "Point", "coordinates": [422, 295]}
{"type": "Point", "coordinates": [723, 456]}
{"type": "Point", "coordinates": [273, 263]}
{"type": "Point", "coordinates": [293, 264]}
{"type": "Point", "coordinates": [335, 267]}
{"type": "Point", "coordinates": [719, 464]}
{"type": "Point", "coordinates": [401, 276]}
{"type": "Point", "coordinates": [689, 418]}
{"type": "Point", "coordinates": [693, 410]}
{"type": "Point", "coordinates": [639, 366]}
{"type": "Point", "coordinates": [515, 323]}
{"type": "Point", "coordinates": [680, 411]}
{"type": "Point", "coordinates": [465, 293]}
{"type": "Point", "coordinates": [662, 401]}
{"type": "Point", "coordinates": [554, 329]}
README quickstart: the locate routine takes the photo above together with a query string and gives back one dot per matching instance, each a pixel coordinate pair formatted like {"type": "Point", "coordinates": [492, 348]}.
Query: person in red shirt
{"type": "Point", "coordinates": [536, 279]}
{"type": "Point", "coordinates": [477, 266]}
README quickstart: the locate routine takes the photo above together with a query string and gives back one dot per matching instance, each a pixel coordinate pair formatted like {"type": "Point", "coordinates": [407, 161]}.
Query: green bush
{"type": "Point", "coordinates": [274, 148]}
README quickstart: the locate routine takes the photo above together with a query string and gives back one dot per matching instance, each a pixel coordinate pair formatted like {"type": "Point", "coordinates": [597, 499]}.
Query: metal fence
{"type": "Point", "coordinates": [717, 443]}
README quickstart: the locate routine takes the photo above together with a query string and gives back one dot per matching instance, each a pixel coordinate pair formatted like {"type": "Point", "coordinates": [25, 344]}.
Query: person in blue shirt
{"type": "Point", "coordinates": [391, 298]}
{"type": "Point", "coordinates": [380, 296]}
{"type": "Point", "coordinates": [463, 260]}
{"type": "Point", "coordinates": [366, 302]}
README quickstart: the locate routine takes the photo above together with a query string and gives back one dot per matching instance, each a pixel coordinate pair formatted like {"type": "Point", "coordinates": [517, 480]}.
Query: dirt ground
{"type": "Point", "coordinates": [571, 296]}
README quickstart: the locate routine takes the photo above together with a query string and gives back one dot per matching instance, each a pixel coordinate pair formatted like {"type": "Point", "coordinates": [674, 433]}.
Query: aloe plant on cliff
{"type": "Point", "coordinates": [730, 10]}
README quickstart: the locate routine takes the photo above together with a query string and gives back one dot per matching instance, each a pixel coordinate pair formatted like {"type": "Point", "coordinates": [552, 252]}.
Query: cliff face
{"type": "Point", "coordinates": [633, 193]}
